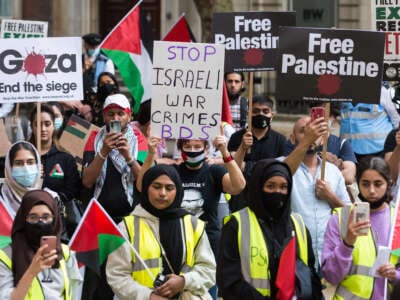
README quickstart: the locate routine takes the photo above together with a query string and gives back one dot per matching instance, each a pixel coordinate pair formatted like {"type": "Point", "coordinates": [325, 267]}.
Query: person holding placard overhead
{"type": "Point", "coordinates": [249, 146]}
{"type": "Point", "coordinates": [314, 197]}
{"type": "Point", "coordinates": [350, 250]}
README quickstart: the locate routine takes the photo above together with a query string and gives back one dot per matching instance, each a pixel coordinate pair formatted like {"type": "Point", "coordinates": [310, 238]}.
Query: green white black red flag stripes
{"type": "Point", "coordinates": [95, 237]}
{"type": "Point", "coordinates": [125, 46]}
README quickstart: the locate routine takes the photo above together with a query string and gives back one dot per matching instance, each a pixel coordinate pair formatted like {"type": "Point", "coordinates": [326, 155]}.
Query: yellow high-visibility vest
{"type": "Point", "coordinates": [253, 248]}
{"type": "Point", "coordinates": [142, 238]}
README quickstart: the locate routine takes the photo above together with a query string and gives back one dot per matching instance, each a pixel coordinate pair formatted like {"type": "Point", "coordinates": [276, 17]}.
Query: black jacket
{"type": "Point", "coordinates": [61, 173]}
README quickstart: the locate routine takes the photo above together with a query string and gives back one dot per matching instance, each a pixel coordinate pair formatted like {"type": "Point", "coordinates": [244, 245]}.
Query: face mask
{"type": "Point", "coordinates": [58, 123]}
{"type": "Point", "coordinates": [26, 175]}
{"type": "Point", "coordinates": [274, 202]}
{"type": "Point", "coordinates": [375, 204]}
{"type": "Point", "coordinates": [260, 121]}
{"type": "Point", "coordinates": [36, 230]}
{"type": "Point", "coordinates": [93, 52]}
{"type": "Point", "coordinates": [105, 90]}
{"type": "Point", "coordinates": [193, 159]}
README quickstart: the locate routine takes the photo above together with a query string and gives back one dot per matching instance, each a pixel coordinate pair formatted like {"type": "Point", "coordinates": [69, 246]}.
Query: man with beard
{"type": "Point", "coordinates": [249, 146]}
{"type": "Point", "coordinates": [238, 105]}
{"type": "Point", "coordinates": [312, 197]}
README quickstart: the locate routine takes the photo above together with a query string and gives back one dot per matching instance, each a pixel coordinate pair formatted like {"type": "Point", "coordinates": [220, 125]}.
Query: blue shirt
{"type": "Point", "coordinates": [335, 145]}
{"type": "Point", "coordinates": [316, 212]}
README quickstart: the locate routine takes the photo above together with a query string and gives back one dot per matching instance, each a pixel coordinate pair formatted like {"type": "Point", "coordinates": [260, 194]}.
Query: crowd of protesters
{"type": "Point", "coordinates": [180, 246]}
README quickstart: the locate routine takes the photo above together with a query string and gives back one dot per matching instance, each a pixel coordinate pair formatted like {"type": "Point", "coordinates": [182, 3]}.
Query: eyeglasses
{"type": "Point", "coordinates": [34, 218]}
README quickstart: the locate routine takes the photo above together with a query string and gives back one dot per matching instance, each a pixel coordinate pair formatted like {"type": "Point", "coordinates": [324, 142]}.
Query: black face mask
{"type": "Point", "coordinates": [260, 121]}
{"type": "Point", "coordinates": [274, 203]}
{"type": "Point", "coordinates": [106, 90]}
{"type": "Point", "coordinates": [34, 231]}
{"type": "Point", "coordinates": [375, 204]}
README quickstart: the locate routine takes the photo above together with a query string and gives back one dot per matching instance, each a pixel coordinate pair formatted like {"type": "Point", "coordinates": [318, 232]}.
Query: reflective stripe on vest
{"type": "Point", "coordinates": [365, 125]}
{"type": "Point", "coordinates": [358, 284]}
{"type": "Point", "coordinates": [253, 248]}
{"type": "Point", "coordinates": [35, 291]}
{"type": "Point", "coordinates": [142, 238]}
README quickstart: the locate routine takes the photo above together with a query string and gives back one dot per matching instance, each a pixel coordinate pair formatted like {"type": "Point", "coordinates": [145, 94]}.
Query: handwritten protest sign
{"type": "Point", "coordinates": [329, 65]}
{"type": "Point", "coordinates": [23, 29]}
{"type": "Point", "coordinates": [187, 90]}
{"type": "Point", "coordinates": [250, 38]}
{"type": "Point", "coordinates": [43, 69]}
{"type": "Point", "coordinates": [386, 18]}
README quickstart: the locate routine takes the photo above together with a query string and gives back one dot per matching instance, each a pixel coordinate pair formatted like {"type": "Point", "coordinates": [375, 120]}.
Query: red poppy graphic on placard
{"type": "Point", "coordinates": [253, 57]}
{"type": "Point", "coordinates": [329, 84]}
{"type": "Point", "coordinates": [34, 63]}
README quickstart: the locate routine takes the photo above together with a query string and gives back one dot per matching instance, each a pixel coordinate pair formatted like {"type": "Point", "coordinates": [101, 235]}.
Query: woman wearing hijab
{"type": "Point", "coordinates": [254, 238]}
{"type": "Point", "coordinates": [168, 239]}
{"type": "Point", "coordinates": [22, 173]}
{"type": "Point", "coordinates": [27, 270]}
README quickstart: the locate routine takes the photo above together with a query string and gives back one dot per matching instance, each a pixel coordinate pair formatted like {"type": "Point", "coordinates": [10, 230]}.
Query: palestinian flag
{"type": "Point", "coordinates": [56, 172]}
{"type": "Point", "coordinates": [395, 230]}
{"type": "Point", "coordinates": [6, 222]}
{"type": "Point", "coordinates": [180, 32]}
{"type": "Point", "coordinates": [95, 237]}
{"type": "Point", "coordinates": [143, 148]}
{"type": "Point", "coordinates": [129, 46]}
{"type": "Point", "coordinates": [286, 276]}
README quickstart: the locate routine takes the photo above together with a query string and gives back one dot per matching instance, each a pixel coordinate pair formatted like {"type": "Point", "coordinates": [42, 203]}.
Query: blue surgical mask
{"type": "Point", "coordinates": [25, 175]}
{"type": "Point", "coordinates": [93, 52]}
{"type": "Point", "coordinates": [58, 123]}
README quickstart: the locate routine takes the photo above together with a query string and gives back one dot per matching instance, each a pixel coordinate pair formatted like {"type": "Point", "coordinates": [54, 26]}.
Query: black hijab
{"type": "Point", "coordinates": [170, 226]}
{"type": "Point", "coordinates": [22, 251]}
{"type": "Point", "coordinates": [263, 170]}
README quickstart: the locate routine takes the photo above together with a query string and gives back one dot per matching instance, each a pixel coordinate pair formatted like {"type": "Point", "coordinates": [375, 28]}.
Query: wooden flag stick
{"type": "Point", "coordinates": [38, 128]}
{"type": "Point", "coordinates": [325, 143]}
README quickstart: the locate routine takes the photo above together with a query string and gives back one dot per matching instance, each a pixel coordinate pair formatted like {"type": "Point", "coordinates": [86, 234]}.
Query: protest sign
{"type": "Point", "coordinates": [43, 69]}
{"type": "Point", "coordinates": [74, 137]}
{"type": "Point", "coordinates": [5, 143]}
{"type": "Point", "coordinates": [329, 65]}
{"type": "Point", "coordinates": [386, 18]}
{"type": "Point", "coordinates": [250, 38]}
{"type": "Point", "coordinates": [23, 29]}
{"type": "Point", "coordinates": [187, 90]}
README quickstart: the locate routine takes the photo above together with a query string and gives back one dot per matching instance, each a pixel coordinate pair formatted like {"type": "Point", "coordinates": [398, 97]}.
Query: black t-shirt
{"type": "Point", "coordinates": [271, 145]}
{"type": "Point", "coordinates": [112, 196]}
{"type": "Point", "coordinates": [390, 142]}
{"type": "Point", "coordinates": [203, 188]}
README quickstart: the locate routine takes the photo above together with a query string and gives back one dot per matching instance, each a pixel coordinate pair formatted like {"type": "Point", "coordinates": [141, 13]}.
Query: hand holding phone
{"type": "Point", "coordinates": [115, 126]}
{"type": "Point", "coordinates": [317, 112]}
{"type": "Point", "coordinates": [51, 241]}
{"type": "Point", "coordinates": [361, 213]}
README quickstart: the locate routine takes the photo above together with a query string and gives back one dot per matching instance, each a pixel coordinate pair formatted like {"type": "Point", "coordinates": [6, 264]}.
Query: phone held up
{"type": "Point", "coordinates": [361, 213]}
{"type": "Point", "coordinates": [50, 240]}
{"type": "Point", "coordinates": [115, 126]}
{"type": "Point", "coordinates": [317, 112]}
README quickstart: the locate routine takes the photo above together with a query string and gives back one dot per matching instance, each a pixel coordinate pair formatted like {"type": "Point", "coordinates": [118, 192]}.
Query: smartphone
{"type": "Point", "coordinates": [115, 126]}
{"type": "Point", "coordinates": [317, 112]}
{"type": "Point", "coordinates": [50, 240]}
{"type": "Point", "coordinates": [361, 213]}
